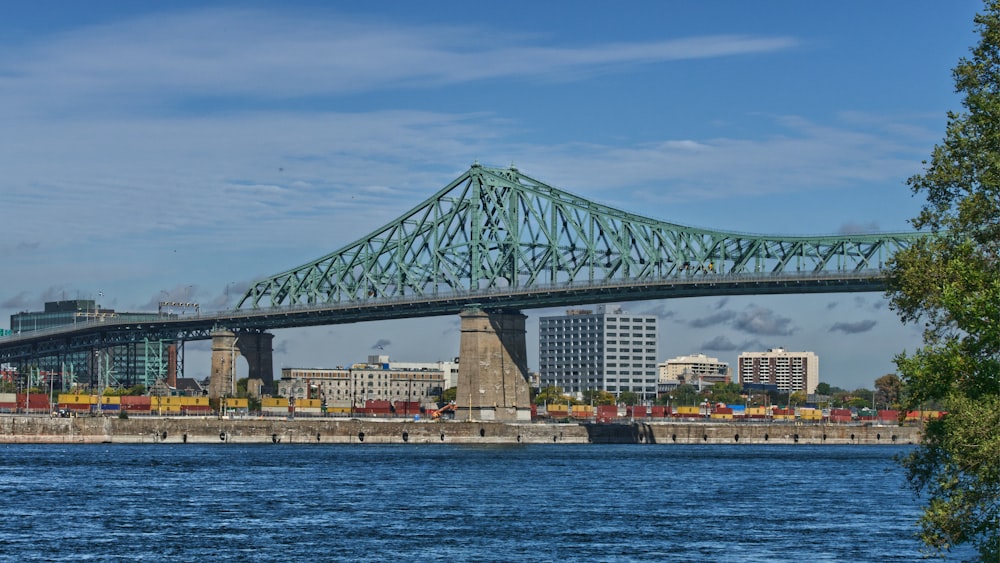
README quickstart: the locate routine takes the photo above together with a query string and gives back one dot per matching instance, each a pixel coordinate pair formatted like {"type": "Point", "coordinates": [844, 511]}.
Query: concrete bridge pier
{"type": "Point", "coordinates": [227, 346]}
{"type": "Point", "coordinates": [493, 367]}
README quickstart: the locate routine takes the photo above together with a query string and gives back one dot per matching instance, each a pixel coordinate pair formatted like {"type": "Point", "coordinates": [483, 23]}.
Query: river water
{"type": "Point", "coordinates": [454, 503]}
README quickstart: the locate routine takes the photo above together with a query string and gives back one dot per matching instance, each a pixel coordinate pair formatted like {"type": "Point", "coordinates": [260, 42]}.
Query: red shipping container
{"type": "Point", "coordinates": [35, 400]}
{"type": "Point", "coordinates": [407, 407]}
{"type": "Point", "coordinates": [659, 411]}
{"type": "Point", "coordinates": [637, 412]}
{"type": "Point", "coordinates": [139, 402]}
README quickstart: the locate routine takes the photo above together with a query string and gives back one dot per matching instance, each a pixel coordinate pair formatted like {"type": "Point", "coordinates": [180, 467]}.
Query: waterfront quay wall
{"type": "Point", "coordinates": [83, 430]}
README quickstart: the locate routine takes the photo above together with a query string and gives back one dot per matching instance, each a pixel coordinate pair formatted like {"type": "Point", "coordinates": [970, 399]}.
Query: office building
{"type": "Point", "coordinates": [599, 350]}
{"type": "Point", "coordinates": [788, 371]}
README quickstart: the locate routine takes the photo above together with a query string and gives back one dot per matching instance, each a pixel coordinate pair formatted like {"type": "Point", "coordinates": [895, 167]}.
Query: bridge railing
{"type": "Point", "coordinates": [472, 295]}
{"type": "Point", "coordinates": [466, 296]}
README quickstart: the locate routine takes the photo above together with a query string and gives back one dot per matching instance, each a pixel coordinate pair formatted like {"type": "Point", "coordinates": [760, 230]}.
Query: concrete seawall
{"type": "Point", "coordinates": [39, 430]}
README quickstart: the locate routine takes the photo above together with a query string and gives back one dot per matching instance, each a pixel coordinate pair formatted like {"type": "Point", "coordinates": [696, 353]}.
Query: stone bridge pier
{"type": "Point", "coordinates": [493, 367]}
{"type": "Point", "coordinates": [227, 346]}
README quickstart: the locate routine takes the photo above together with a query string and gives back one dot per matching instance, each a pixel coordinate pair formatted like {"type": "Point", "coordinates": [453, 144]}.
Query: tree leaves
{"type": "Point", "coordinates": [950, 282]}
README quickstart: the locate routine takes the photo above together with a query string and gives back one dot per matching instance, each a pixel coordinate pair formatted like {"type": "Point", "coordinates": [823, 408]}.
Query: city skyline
{"type": "Point", "coordinates": [179, 153]}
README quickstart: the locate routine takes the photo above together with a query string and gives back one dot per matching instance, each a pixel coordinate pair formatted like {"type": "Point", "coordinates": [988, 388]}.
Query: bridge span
{"type": "Point", "coordinates": [494, 241]}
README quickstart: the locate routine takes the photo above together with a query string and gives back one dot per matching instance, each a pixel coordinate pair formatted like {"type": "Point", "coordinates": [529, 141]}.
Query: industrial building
{"type": "Point", "coordinates": [599, 350]}
{"type": "Point", "coordinates": [124, 365]}
{"type": "Point", "coordinates": [788, 371]}
{"type": "Point", "coordinates": [698, 370]}
{"type": "Point", "coordinates": [362, 383]}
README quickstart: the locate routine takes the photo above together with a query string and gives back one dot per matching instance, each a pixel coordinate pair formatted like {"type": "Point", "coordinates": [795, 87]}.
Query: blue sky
{"type": "Point", "coordinates": [182, 150]}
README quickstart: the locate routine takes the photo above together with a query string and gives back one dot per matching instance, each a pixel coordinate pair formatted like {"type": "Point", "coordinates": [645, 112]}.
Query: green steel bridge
{"type": "Point", "coordinates": [498, 239]}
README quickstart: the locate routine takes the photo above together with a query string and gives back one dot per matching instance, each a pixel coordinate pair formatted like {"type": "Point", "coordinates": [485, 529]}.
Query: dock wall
{"type": "Point", "coordinates": [40, 429]}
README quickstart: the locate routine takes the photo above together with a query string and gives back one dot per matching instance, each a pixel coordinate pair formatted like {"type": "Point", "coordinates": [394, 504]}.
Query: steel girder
{"type": "Point", "coordinates": [496, 228]}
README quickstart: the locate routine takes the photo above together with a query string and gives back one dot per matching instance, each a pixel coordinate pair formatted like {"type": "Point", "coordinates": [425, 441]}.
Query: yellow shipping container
{"type": "Point", "coordinates": [688, 410]}
{"type": "Point", "coordinates": [193, 401]}
{"type": "Point", "coordinates": [723, 416]}
{"type": "Point", "coordinates": [756, 411]}
{"type": "Point", "coordinates": [234, 403]}
{"type": "Point", "coordinates": [111, 400]}
{"type": "Point", "coordinates": [272, 402]}
{"type": "Point", "coordinates": [165, 401]}
{"type": "Point", "coordinates": [339, 410]}
{"type": "Point", "coordinates": [77, 399]}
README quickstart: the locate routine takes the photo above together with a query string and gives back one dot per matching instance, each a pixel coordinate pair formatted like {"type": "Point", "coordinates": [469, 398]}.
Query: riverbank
{"type": "Point", "coordinates": [89, 430]}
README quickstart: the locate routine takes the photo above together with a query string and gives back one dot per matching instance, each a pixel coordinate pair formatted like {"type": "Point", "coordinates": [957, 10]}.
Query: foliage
{"type": "Point", "coordinates": [598, 397]}
{"type": "Point", "coordinates": [550, 394]}
{"type": "Point", "coordinates": [682, 395]}
{"type": "Point", "coordinates": [797, 398]}
{"type": "Point", "coordinates": [888, 391]}
{"type": "Point", "coordinates": [950, 282]}
{"type": "Point", "coordinates": [727, 393]}
{"type": "Point", "coordinates": [823, 388]}
{"type": "Point", "coordinates": [449, 395]}
{"type": "Point", "coordinates": [628, 398]}
{"type": "Point", "coordinates": [133, 391]}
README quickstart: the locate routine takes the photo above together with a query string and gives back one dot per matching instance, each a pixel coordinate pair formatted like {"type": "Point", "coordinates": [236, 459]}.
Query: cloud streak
{"type": "Point", "coordinates": [252, 55]}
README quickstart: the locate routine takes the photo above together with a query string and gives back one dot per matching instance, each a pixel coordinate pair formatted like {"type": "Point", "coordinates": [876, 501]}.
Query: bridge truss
{"type": "Point", "coordinates": [498, 230]}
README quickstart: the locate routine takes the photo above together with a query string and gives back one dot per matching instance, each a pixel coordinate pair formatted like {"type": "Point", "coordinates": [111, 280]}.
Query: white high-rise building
{"type": "Point", "coordinates": [698, 370]}
{"type": "Point", "coordinates": [789, 371]}
{"type": "Point", "coordinates": [599, 350]}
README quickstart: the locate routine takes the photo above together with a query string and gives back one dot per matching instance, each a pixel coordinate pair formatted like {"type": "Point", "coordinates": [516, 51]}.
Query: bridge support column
{"type": "Point", "coordinates": [227, 346]}
{"type": "Point", "coordinates": [493, 367]}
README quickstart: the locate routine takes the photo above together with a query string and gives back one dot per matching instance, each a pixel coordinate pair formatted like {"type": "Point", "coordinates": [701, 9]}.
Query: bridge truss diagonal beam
{"type": "Point", "coordinates": [494, 228]}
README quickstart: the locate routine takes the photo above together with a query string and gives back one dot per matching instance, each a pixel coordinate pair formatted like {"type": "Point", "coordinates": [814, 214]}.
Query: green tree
{"type": "Point", "coordinates": [888, 391]}
{"type": "Point", "coordinates": [683, 395]}
{"type": "Point", "coordinates": [598, 397]}
{"type": "Point", "coordinates": [823, 388]}
{"type": "Point", "coordinates": [628, 398]}
{"type": "Point", "coordinates": [950, 283]}
{"type": "Point", "coordinates": [550, 394]}
{"type": "Point", "coordinates": [449, 395]}
{"type": "Point", "coordinates": [797, 398]}
{"type": "Point", "coordinates": [727, 393]}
